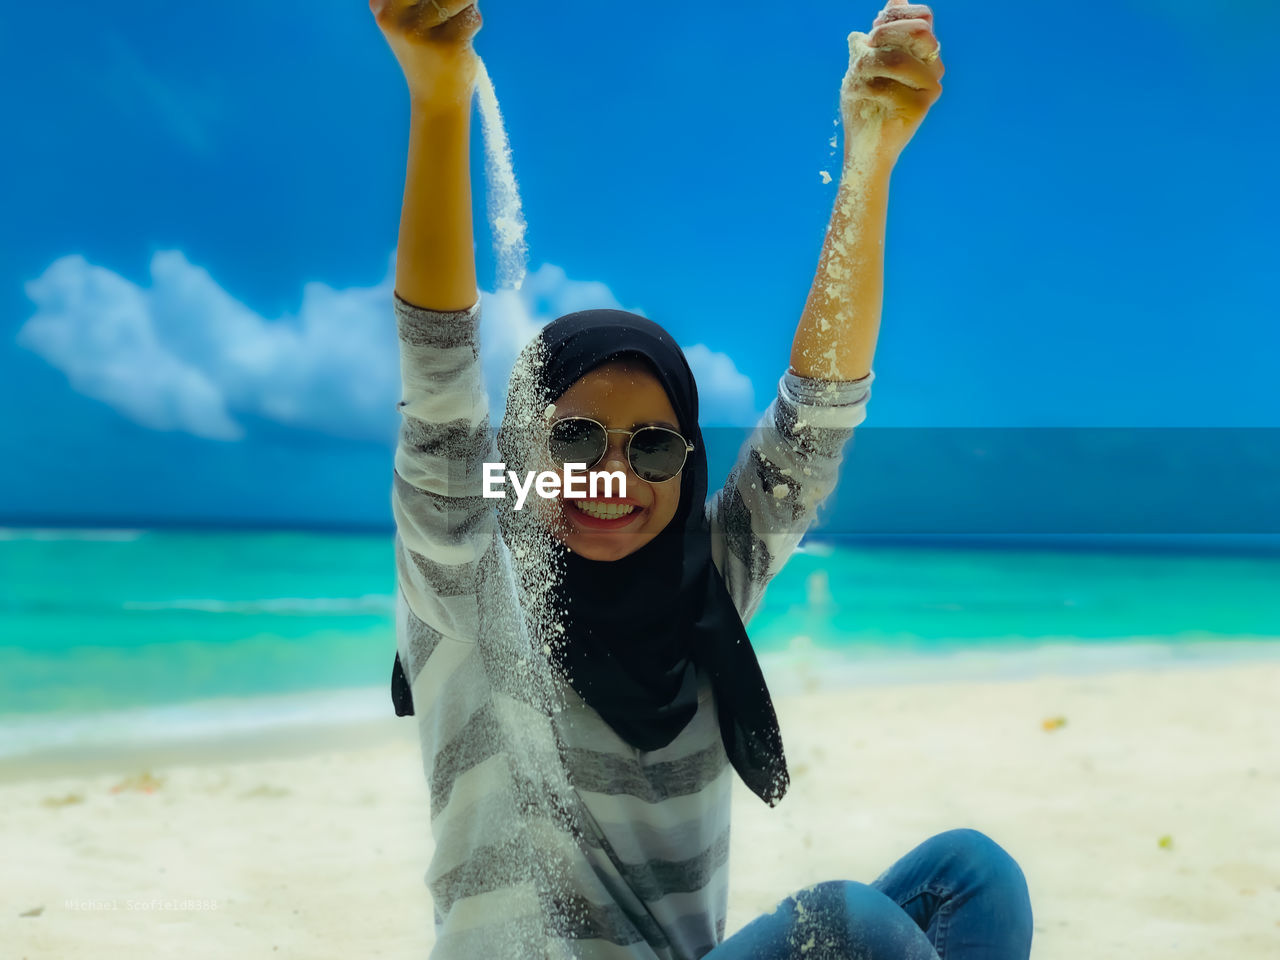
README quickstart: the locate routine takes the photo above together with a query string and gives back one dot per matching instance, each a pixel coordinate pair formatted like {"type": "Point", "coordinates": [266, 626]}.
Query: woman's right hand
{"type": "Point", "coordinates": [432, 41]}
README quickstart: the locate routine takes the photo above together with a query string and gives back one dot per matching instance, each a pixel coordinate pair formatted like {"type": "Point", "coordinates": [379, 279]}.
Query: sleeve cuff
{"type": "Point", "coordinates": [814, 392]}
{"type": "Point", "coordinates": [424, 327]}
{"type": "Point", "coordinates": [415, 310]}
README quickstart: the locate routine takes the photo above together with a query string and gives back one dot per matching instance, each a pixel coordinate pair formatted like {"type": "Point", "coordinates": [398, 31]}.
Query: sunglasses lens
{"type": "Point", "coordinates": [657, 454]}
{"type": "Point", "coordinates": [577, 441]}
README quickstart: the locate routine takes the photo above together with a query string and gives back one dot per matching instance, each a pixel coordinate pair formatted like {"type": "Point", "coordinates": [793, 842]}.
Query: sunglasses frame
{"type": "Point", "coordinates": [688, 447]}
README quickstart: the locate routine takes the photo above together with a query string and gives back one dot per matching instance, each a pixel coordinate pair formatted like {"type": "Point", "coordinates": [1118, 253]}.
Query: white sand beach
{"type": "Point", "coordinates": [1148, 823]}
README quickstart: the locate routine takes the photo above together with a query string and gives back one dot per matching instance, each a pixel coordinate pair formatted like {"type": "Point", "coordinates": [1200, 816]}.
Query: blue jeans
{"type": "Point", "coordinates": [957, 896]}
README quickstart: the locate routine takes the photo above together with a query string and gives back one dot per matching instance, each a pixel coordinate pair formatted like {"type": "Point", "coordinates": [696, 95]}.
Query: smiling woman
{"type": "Point", "coordinates": [585, 683]}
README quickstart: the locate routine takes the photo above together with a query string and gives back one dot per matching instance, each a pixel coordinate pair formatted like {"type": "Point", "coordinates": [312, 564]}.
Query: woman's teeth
{"type": "Point", "coordinates": [602, 510]}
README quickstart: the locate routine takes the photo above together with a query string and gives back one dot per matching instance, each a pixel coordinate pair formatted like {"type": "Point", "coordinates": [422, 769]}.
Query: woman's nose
{"type": "Point", "coordinates": [615, 457]}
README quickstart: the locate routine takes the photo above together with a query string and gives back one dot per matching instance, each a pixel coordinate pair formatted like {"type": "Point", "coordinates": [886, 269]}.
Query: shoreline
{"type": "Point", "coordinates": [289, 725]}
{"type": "Point", "coordinates": [91, 762]}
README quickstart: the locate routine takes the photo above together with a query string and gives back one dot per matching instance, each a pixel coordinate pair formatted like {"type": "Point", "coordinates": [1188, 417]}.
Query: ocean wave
{"type": "Point", "coordinates": [25, 735]}
{"type": "Point", "coordinates": [54, 534]}
{"type": "Point", "coordinates": [277, 606]}
{"type": "Point", "coordinates": [806, 665]}
{"type": "Point", "coordinates": [817, 548]}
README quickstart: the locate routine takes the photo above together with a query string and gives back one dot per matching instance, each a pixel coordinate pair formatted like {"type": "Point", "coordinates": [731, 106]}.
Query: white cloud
{"type": "Point", "coordinates": [185, 355]}
{"type": "Point", "coordinates": [725, 393]}
{"type": "Point", "coordinates": [96, 327]}
{"type": "Point", "coordinates": [511, 318]}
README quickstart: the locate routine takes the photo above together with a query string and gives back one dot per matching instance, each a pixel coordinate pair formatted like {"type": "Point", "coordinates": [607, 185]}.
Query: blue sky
{"type": "Point", "coordinates": [200, 212]}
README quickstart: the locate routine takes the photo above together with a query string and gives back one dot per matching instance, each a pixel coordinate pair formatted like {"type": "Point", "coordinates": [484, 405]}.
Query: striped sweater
{"type": "Point", "coordinates": [554, 837]}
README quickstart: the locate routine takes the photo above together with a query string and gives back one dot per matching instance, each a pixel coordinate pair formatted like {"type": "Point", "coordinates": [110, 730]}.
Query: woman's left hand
{"type": "Point", "coordinates": [893, 79]}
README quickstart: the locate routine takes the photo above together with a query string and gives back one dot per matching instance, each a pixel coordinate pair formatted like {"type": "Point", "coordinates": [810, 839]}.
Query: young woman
{"type": "Point", "coordinates": [587, 814]}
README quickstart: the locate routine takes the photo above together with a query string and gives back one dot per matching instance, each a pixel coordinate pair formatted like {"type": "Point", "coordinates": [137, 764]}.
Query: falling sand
{"type": "Point", "coordinates": [506, 218]}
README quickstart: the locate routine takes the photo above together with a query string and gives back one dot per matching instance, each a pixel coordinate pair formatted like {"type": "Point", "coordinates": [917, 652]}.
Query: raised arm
{"type": "Point", "coordinates": [791, 463]}
{"type": "Point", "coordinates": [892, 81]}
{"type": "Point", "coordinates": [443, 524]}
{"type": "Point", "coordinates": [435, 256]}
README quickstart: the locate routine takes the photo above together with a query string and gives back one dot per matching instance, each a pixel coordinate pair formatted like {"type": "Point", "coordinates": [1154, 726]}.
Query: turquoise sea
{"type": "Point", "coordinates": [129, 635]}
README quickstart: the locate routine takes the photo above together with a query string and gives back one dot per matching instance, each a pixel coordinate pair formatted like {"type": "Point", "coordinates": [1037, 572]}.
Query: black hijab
{"type": "Point", "coordinates": [638, 631]}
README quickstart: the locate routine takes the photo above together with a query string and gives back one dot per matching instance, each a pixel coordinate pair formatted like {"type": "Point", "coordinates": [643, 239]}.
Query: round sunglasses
{"type": "Point", "coordinates": [656, 454]}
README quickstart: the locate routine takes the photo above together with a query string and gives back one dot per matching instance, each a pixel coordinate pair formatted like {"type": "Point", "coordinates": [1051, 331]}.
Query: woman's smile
{"type": "Point", "coordinates": [599, 514]}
